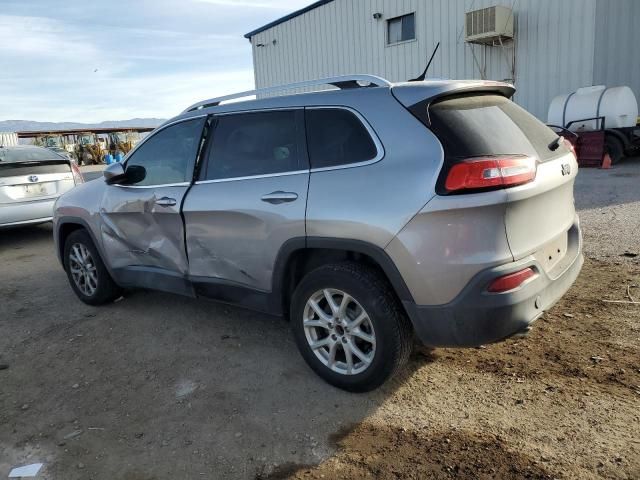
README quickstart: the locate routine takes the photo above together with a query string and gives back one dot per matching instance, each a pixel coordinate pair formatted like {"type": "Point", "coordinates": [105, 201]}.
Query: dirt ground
{"type": "Point", "coordinates": [161, 387]}
{"type": "Point", "coordinates": [564, 403]}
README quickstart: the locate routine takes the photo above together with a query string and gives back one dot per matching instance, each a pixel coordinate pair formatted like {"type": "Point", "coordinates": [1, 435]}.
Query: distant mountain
{"type": "Point", "coordinates": [28, 125]}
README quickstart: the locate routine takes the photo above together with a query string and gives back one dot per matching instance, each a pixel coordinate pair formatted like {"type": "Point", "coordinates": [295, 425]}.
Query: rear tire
{"type": "Point", "coordinates": [88, 276]}
{"type": "Point", "coordinates": [325, 310]}
{"type": "Point", "coordinates": [614, 147]}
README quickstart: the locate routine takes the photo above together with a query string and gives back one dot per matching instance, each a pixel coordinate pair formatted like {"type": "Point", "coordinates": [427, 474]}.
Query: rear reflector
{"type": "Point", "coordinates": [491, 172]}
{"type": "Point", "coordinates": [510, 281]}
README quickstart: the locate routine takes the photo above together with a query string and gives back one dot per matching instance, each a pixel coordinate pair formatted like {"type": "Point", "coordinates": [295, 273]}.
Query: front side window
{"type": "Point", "coordinates": [169, 155]}
{"type": "Point", "coordinates": [250, 144]}
{"type": "Point", "coordinates": [336, 136]}
{"type": "Point", "coordinates": [401, 29]}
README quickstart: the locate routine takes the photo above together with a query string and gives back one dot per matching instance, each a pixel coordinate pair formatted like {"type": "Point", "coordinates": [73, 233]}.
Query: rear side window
{"type": "Point", "coordinates": [336, 136]}
{"type": "Point", "coordinates": [475, 126]}
{"type": "Point", "coordinates": [250, 144]}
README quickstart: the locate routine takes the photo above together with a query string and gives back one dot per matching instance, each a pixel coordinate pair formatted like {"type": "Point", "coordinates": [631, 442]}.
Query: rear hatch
{"type": "Point", "coordinates": [30, 174]}
{"type": "Point", "coordinates": [489, 136]}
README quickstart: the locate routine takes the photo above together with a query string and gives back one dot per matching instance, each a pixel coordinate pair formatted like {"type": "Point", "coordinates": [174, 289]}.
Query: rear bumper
{"type": "Point", "coordinates": [476, 317]}
{"type": "Point", "coordinates": [26, 213]}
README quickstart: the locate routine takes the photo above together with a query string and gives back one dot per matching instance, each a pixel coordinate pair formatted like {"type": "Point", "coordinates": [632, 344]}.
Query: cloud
{"type": "Point", "coordinates": [149, 59]}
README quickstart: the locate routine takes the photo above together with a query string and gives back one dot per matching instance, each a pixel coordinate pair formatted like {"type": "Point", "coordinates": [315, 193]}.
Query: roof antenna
{"type": "Point", "coordinates": [424, 74]}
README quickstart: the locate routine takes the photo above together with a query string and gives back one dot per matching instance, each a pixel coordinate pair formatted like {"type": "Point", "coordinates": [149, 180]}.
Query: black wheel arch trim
{"type": "Point", "coordinates": [377, 254]}
{"type": "Point", "coordinates": [289, 248]}
{"type": "Point", "coordinates": [83, 223]}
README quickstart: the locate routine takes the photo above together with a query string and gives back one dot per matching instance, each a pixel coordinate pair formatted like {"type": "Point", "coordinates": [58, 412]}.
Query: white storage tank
{"type": "Point", "coordinates": [8, 139]}
{"type": "Point", "coordinates": [618, 106]}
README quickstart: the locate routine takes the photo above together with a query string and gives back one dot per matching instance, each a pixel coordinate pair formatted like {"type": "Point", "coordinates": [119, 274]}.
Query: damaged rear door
{"type": "Point", "coordinates": [141, 222]}
{"type": "Point", "coordinates": [249, 200]}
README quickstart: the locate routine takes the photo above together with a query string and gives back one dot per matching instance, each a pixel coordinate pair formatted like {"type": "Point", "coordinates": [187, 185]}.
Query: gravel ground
{"type": "Point", "coordinates": [91, 172]}
{"type": "Point", "coordinates": [609, 206]}
{"type": "Point", "coordinates": [161, 387]}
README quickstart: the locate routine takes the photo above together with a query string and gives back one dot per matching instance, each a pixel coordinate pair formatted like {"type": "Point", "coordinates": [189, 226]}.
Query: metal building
{"type": "Point", "coordinates": [554, 46]}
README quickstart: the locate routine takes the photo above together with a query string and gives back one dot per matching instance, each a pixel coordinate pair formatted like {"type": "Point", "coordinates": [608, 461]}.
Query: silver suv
{"type": "Point", "coordinates": [366, 215]}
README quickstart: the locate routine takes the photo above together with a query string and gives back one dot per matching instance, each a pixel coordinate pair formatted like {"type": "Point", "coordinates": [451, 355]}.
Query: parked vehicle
{"type": "Point", "coordinates": [89, 150]}
{"type": "Point", "coordinates": [31, 179]}
{"type": "Point", "coordinates": [366, 215]}
{"type": "Point", "coordinates": [597, 121]}
{"type": "Point", "coordinates": [57, 143]}
{"type": "Point", "coordinates": [122, 142]}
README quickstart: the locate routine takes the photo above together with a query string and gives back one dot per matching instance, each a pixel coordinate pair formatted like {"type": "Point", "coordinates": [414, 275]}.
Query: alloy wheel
{"type": "Point", "coordinates": [83, 269]}
{"type": "Point", "coordinates": [339, 331]}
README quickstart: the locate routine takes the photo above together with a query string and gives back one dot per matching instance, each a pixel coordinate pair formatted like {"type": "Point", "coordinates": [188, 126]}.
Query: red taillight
{"type": "Point", "coordinates": [491, 172]}
{"type": "Point", "coordinates": [77, 174]}
{"type": "Point", "coordinates": [510, 281]}
{"type": "Point", "coordinates": [571, 147]}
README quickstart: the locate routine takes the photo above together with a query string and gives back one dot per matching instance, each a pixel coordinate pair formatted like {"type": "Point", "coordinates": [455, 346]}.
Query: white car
{"type": "Point", "coordinates": [31, 180]}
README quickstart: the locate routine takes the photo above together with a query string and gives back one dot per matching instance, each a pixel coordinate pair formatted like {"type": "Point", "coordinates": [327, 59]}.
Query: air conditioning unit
{"type": "Point", "coordinates": [488, 25]}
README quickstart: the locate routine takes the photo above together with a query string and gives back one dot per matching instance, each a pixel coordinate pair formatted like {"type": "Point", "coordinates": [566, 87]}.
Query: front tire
{"type": "Point", "coordinates": [88, 276]}
{"type": "Point", "coordinates": [349, 326]}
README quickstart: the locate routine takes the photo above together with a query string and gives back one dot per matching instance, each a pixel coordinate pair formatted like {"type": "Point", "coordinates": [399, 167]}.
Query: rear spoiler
{"type": "Point", "coordinates": [418, 96]}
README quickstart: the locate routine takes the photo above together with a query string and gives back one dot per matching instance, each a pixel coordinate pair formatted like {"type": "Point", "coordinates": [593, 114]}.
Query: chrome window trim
{"type": "Point", "coordinates": [147, 138]}
{"type": "Point", "coordinates": [252, 177]}
{"type": "Point", "coordinates": [180, 184]}
{"type": "Point", "coordinates": [380, 152]}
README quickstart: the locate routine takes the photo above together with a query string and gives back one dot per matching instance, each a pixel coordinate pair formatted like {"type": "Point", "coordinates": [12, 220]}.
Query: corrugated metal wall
{"type": "Point", "coordinates": [617, 35]}
{"type": "Point", "coordinates": [554, 45]}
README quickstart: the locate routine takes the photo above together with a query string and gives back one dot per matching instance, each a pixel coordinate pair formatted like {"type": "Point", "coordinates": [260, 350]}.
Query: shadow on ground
{"type": "Point", "coordinates": [154, 385]}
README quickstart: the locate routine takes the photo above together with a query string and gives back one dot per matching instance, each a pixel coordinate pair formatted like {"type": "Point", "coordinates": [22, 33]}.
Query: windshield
{"type": "Point", "coordinates": [54, 142]}
{"type": "Point", "coordinates": [86, 140]}
{"type": "Point", "coordinates": [27, 154]}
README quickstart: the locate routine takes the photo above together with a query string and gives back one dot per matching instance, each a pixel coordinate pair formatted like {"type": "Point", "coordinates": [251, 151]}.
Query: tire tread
{"type": "Point", "coordinates": [387, 306]}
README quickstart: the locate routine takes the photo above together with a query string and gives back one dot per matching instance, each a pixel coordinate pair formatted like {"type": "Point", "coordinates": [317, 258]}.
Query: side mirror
{"type": "Point", "coordinates": [116, 174]}
{"type": "Point", "coordinates": [113, 173]}
{"type": "Point", "coordinates": [134, 174]}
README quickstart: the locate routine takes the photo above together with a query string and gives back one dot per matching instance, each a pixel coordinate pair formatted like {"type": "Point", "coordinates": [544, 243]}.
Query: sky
{"type": "Point", "coordinates": [97, 60]}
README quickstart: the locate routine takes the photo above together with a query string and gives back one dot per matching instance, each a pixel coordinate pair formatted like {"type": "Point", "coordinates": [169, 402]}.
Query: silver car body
{"type": "Point", "coordinates": [29, 188]}
{"type": "Point", "coordinates": [228, 240]}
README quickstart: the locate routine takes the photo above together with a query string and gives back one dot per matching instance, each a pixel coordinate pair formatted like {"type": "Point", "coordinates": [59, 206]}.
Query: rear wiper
{"type": "Point", "coordinates": [553, 146]}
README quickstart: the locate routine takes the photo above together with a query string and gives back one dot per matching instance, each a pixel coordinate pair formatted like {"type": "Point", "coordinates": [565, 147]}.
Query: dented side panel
{"type": "Point", "coordinates": [136, 231]}
{"type": "Point", "coordinates": [235, 236]}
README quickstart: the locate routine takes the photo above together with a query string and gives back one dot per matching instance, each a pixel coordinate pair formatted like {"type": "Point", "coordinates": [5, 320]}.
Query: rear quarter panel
{"type": "Point", "coordinates": [373, 202]}
{"type": "Point", "coordinates": [448, 242]}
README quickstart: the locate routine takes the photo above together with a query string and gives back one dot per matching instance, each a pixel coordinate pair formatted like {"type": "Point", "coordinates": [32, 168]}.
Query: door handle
{"type": "Point", "coordinates": [166, 202]}
{"type": "Point", "coordinates": [279, 197]}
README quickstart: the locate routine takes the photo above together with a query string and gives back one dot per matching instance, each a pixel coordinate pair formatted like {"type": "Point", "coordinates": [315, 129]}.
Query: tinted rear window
{"type": "Point", "coordinates": [473, 126]}
{"type": "Point", "coordinates": [8, 155]}
{"type": "Point", "coordinates": [337, 137]}
{"type": "Point", "coordinates": [14, 169]}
